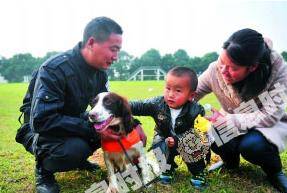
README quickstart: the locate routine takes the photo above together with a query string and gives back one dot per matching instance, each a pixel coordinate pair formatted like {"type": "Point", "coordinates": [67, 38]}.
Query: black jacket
{"type": "Point", "coordinates": [160, 112]}
{"type": "Point", "coordinates": [57, 98]}
{"type": "Point", "coordinates": [188, 143]}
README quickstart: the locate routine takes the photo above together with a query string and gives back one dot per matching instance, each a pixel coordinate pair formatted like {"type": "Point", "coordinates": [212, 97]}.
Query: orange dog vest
{"type": "Point", "coordinates": [128, 141]}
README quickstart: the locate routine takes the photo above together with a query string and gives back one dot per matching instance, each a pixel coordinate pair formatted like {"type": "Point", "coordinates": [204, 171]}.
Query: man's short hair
{"type": "Point", "coordinates": [181, 71]}
{"type": "Point", "coordinates": [101, 28]}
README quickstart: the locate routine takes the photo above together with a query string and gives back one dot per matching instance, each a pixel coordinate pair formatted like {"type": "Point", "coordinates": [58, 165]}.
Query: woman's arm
{"type": "Point", "coordinates": [204, 84]}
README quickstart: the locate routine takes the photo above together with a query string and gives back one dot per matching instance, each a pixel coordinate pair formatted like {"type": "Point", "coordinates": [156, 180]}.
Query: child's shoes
{"type": "Point", "coordinates": [166, 177]}
{"type": "Point", "coordinates": [199, 181]}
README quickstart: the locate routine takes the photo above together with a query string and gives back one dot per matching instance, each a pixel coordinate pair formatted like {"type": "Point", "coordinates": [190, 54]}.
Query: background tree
{"type": "Point", "coordinates": [120, 69]}
{"type": "Point", "coordinates": [135, 64]}
{"type": "Point", "coordinates": [167, 62]}
{"type": "Point", "coordinates": [181, 58]}
{"type": "Point", "coordinates": [20, 65]}
{"type": "Point", "coordinates": [15, 68]}
{"type": "Point", "coordinates": [195, 63]}
{"type": "Point", "coordinates": [284, 54]}
{"type": "Point", "coordinates": [205, 61]}
{"type": "Point", "coordinates": [150, 58]}
{"type": "Point", "coordinates": [2, 59]}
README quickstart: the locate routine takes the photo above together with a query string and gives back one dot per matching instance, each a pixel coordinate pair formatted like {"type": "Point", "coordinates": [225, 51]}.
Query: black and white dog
{"type": "Point", "coordinates": [121, 139]}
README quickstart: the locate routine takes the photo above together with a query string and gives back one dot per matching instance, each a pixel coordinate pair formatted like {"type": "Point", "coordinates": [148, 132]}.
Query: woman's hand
{"type": "Point", "coordinates": [215, 115]}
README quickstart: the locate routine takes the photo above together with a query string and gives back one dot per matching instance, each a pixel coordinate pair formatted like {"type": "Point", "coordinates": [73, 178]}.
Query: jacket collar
{"type": "Point", "coordinates": [184, 110]}
{"type": "Point", "coordinates": [80, 61]}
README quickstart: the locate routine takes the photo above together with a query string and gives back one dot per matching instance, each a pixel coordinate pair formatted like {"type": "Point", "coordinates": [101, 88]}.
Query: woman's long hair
{"type": "Point", "coordinates": [246, 47]}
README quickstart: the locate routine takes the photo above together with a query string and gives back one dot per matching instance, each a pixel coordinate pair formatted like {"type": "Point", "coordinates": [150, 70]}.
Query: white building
{"type": "Point", "coordinates": [2, 79]}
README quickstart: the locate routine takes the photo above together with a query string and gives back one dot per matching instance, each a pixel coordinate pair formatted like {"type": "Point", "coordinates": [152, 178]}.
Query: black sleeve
{"type": "Point", "coordinates": [201, 110]}
{"type": "Point", "coordinates": [195, 109]}
{"type": "Point", "coordinates": [147, 107]}
{"type": "Point", "coordinates": [26, 106]}
{"type": "Point", "coordinates": [159, 141]}
{"type": "Point", "coordinates": [106, 85]}
{"type": "Point", "coordinates": [158, 138]}
{"type": "Point", "coordinates": [47, 107]}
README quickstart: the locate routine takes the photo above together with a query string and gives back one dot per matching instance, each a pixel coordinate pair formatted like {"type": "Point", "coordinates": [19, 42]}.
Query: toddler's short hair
{"type": "Point", "coordinates": [181, 71]}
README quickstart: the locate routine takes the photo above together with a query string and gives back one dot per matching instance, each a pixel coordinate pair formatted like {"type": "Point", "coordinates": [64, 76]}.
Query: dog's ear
{"type": "Point", "coordinates": [127, 116]}
{"type": "Point", "coordinates": [121, 108]}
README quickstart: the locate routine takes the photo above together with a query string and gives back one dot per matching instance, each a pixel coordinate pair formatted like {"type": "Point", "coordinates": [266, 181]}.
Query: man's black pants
{"type": "Point", "coordinates": [70, 155]}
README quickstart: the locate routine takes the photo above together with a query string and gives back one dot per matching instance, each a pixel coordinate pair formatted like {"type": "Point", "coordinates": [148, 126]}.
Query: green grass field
{"type": "Point", "coordinates": [17, 166]}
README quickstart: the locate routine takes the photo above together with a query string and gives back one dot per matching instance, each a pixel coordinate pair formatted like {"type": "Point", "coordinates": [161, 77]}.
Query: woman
{"type": "Point", "coordinates": [245, 71]}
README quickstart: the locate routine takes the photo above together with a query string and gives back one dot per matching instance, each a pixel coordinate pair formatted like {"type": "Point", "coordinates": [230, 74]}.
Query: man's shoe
{"type": "Point", "coordinates": [45, 181]}
{"type": "Point", "coordinates": [89, 166]}
{"type": "Point", "coordinates": [279, 181]}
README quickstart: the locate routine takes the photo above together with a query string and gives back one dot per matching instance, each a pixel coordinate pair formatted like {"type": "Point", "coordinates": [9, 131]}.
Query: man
{"type": "Point", "coordinates": [56, 128]}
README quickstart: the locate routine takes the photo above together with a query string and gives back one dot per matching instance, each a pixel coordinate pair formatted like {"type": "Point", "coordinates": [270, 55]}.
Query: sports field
{"type": "Point", "coordinates": [17, 166]}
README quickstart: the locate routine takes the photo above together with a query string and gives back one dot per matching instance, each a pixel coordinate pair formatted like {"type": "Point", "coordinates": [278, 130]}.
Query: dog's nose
{"type": "Point", "coordinates": [93, 116]}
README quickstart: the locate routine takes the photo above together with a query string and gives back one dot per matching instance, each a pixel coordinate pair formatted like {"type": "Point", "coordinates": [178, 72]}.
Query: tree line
{"type": "Point", "coordinates": [15, 68]}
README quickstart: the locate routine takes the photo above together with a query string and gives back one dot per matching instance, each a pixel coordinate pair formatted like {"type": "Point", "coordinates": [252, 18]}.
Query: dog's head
{"type": "Point", "coordinates": [111, 112]}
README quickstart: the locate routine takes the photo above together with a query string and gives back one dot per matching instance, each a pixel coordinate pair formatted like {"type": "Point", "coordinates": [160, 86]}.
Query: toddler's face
{"type": "Point", "coordinates": [177, 91]}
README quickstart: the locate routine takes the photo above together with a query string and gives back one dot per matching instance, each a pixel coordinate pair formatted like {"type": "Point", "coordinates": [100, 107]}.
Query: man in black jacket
{"type": "Point", "coordinates": [56, 128]}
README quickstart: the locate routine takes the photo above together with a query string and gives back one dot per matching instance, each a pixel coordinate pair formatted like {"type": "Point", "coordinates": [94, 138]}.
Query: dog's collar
{"type": "Point", "coordinates": [110, 145]}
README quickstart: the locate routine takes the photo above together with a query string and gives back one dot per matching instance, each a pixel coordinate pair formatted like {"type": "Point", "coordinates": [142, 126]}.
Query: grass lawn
{"type": "Point", "coordinates": [17, 166]}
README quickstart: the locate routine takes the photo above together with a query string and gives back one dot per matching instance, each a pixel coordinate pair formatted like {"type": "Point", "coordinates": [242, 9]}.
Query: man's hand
{"type": "Point", "coordinates": [170, 141]}
{"type": "Point", "coordinates": [141, 134]}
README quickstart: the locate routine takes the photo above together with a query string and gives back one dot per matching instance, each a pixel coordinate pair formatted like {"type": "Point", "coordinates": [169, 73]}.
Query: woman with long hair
{"type": "Point", "coordinates": [249, 80]}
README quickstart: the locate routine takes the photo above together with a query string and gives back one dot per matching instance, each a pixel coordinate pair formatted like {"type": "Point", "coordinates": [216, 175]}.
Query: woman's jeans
{"type": "Point", "coordinates": [254, 148]}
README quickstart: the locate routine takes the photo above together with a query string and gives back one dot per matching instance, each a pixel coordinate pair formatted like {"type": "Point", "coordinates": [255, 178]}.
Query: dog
{"type": "Point", "coordinates": [120, 136]}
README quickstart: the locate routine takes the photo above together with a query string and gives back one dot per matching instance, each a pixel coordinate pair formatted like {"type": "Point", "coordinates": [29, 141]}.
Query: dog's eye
{"type": "Point", "coordinates": [107, 101]}
{"type": "Point", "coordinates": [94, 101]}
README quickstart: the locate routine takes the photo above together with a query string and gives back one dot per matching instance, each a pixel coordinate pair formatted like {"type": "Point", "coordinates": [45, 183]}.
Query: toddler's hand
{"type": "Point", "coordinates": [170, 141]}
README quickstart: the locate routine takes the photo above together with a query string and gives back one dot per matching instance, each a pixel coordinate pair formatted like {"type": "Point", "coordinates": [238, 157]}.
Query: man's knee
{"type": "Point", "coordinates": [68, 156]}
